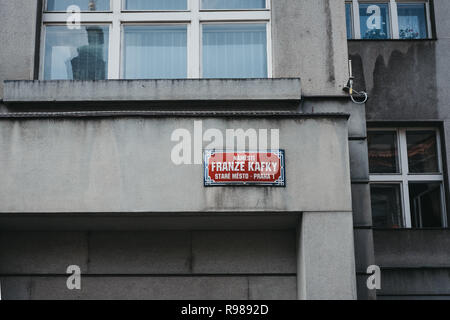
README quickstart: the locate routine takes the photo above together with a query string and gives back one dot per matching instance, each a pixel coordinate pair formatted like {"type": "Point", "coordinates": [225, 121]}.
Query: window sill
{"type": "Point", "coordinates": [392, 40]}
{"type": "Point", "coordinates": [281, 89]}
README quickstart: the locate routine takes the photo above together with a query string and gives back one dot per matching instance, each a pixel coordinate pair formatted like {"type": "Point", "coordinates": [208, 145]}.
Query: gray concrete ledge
{"type": "Point", "coordinates": [169, 114]}
{"type": "Point", "coordinates": [153, 90]}
{"type": "Point", "coordinates": [407, 248]}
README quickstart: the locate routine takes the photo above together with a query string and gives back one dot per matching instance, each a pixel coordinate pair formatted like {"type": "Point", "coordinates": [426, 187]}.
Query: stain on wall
{"type": "Point", "coordinates": [400, 77]}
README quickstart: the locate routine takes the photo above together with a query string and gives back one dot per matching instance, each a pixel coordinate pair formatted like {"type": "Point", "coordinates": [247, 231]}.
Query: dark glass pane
{"type": "Point", "coordinates": [78, 54]}
{"type": "Point", "coordinates": [84, 5]}
{"type": "Point", "coordinates": [233, 4]}
{"type": "Point", "coordinates": [155, 4]}
{"type": "Point", "coordinates": [349, 20]}
{"type": "Point", "coordinates": [422, 152]}
{"type": "Point", "coordinates": [386, 205]}
{"type": "Point", "coordinates": [426, 205]}
{"type": "Point", "coordinates": [374, 20]}
{"type": "Point", "coordinates": [412, 21]}
{"type": "Point", "coordinates": [383, 154]}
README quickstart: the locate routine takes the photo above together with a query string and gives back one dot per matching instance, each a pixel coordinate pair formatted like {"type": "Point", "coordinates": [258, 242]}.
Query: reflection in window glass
{"type": "Point", "coordinates": [78, 54]}
{"type": "Point", "coordinates": [349, 20]}
{"type": "Point", "coordinates": [155, 52]}
{"type": "Point", "coordinates": [412, 21]}
{"type": "Point", "coordinates": [375, 23]}
{"type": "Point", "coordinates": [233, 4]}
{"type": "Point", "coordinates": [422, 152]}
{"type": "Point", "coordinates": [383, 152]}
{"type": "Point", "coordinates": [386, 205]}
{"type": "Point", "coordinates": [234, 51]}
{"type": "Point", "coordinates": [426, 205]}
{"type": "Point", "coordinates": [85, 5]}
{"type": "Point", "coordinates": [155, 4]}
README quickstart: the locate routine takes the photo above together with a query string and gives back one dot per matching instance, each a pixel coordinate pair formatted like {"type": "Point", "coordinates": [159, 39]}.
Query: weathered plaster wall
{"type": "Point", "coordinates": [124, 165]}
{"type": "Point", "coordinates": [309, 41]}
{"type": "Point", "coordinates": [408, 82]}
{"type": "Point", "coordinates": [150, 264]}
{"type": "Point", "coordinates": [17, 37]}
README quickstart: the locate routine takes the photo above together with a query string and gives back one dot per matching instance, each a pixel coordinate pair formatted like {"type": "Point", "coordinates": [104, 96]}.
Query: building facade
{"type": "Point", "coordinates": [109, 107]}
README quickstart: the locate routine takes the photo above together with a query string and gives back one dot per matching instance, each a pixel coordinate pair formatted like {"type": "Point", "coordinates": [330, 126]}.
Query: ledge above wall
{"type": "Point", "coordinates": [280, 89]}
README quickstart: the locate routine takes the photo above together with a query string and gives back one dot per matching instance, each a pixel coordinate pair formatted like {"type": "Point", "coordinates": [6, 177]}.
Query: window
{"type": "Point", "coordinates": [233, 4]}
{"type": "Point", "coordinates": [406, 178]}
{"type": "Point", "coordinates": [156, 39]}
{"type": "Point", "coordinates": [155, 5]}
{"type": "Point", "coordinates": [388, 19]}
{"type": "Point", "coordinates": [84, 5]}
{"type": "Point", "coordinates": [245, 54]}
{"type": "Point", "coordinates": [78, 54]}
{"type": "Point", "coordinates": [374, 21]}
{"type": "Point", "coordinates": [155, 52]}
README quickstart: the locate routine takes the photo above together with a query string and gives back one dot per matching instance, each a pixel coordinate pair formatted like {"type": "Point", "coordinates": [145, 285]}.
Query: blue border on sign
{"type": "Point", "coordinates": [208, 182]}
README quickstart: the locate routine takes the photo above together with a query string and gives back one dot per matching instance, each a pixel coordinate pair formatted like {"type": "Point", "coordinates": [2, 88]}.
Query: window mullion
{"type": "Point", "coordinates": [444, 207]}
{"type": "Point", "coordinates": [394, 19]}
{"type": "Point", "coordinates": [405, 170]}
{"type": "Point", "coordinates": [406, 204]}
{"type": "Point", "coordinates": [439, 152]}
{"type": "Point", "coordinates": [193, 36]}
{"type": "Point", "coordinates": [441, 170]}
{"type": "Point", "coordinates": [356, 20]}
{"type": "Point", "coordinates": [114, 41]}
{"type": "Point", "coordinates": [428, 16]}
{"type": "Point", "coordinates": [269, 49]}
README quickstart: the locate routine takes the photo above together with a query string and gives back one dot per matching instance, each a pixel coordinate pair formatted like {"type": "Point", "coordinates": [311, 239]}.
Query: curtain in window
{"type": "Point", "coordinates": [412, 21]}
{"type": "Point", "coordinates": [234, 51]}
{"type": "Point", "coordinates": [233, 4]}
{"type": "Point", "coordinates": [155, 4]}
{"type": "Point", "coordinates": [85, 5]}
{"type": "Point", "coordinates": [155, 52]}
{"type": "Point", "coordinates": [348, 20]}
{"type": "Point", "coordinates": [79, 54]}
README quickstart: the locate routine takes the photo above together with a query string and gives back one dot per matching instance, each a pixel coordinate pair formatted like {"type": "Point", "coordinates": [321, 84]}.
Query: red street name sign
{"type": "Point", "coordinates": [244, 168]}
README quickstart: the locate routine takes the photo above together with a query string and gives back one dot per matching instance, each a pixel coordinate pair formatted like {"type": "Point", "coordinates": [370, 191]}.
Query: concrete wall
{"type": "Point", "coordinates": [68, 166]}
{"type": "Point", "coordinates": [153, 91]}
{"type": "Point", "coordinates": [61, 167]}
{"type": "Point", "coordinates": [17, 52]}
{"type": "Point", "coordinates": [326, 260]}
{"type": "Point", "coordinates": [318, 263]}
{"type": "Point", "coordinates": [251, 264]}
{"type": "Point", "coordinates": [309, 41]}
{"type": "Point", "coordinates": [124, 165]}
{"type": "Point", "coordinates": [407, 80]}
{"type": "Point", "coordinates": [359, 172]}
{"type": "Point", "coordinates": [408, 83]}
{"type": "Point", "coordinates": [415, 263]}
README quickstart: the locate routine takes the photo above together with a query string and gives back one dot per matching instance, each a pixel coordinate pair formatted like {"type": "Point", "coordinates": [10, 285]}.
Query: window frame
{"type": "Point", "coordinates": [193, 17]}
{"type": "Point", "coordinates": [44, 39]}
{"type": "Point", "coordinates": [393, 18]}
{"type": "Point", "coordinates": [403, 178]}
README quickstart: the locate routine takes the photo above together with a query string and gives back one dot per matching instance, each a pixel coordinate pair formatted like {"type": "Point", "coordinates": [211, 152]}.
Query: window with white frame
{"type": "Point", "coordinates": [388, 19]}
{"type": "Point", "coordinates": [406, 178]}
{"type": "Point", "coordinates": [156, 39]}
